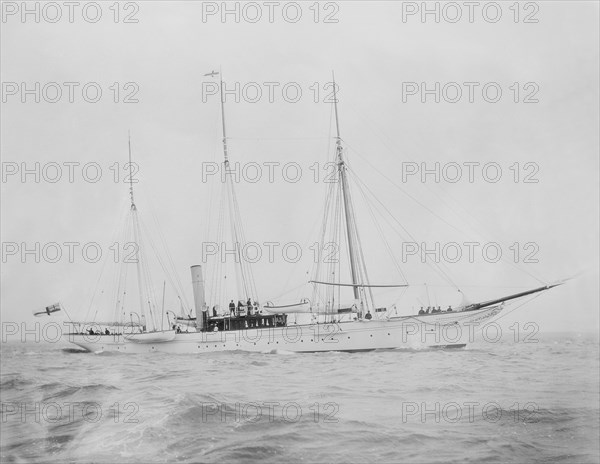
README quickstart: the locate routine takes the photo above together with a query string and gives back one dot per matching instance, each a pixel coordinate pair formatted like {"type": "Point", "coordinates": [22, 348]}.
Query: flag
{"type": "Point", "coordinates": [48, 310]}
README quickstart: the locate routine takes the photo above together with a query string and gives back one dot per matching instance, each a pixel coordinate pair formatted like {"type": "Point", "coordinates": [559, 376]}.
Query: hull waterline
{"type": "Point", "coordinates": [442, 330]}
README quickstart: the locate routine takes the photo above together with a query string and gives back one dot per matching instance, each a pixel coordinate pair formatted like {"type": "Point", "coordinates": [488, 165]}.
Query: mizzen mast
{"type": "Point", "coordinates": [138, 244]}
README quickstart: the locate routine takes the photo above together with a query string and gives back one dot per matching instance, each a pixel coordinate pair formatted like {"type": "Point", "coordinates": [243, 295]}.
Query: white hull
{"type": "Point", "coordinates": [453, 329]}
{"type": "Point", "coordinates": [151, 337]}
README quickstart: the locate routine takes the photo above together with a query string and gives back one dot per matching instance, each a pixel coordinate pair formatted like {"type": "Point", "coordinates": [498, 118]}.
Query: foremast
{"type": "Point", "coordinates": [357, 265]}
{"type": "Point", "coordinates": [339, 219]}
{"type": "Point", "coordinates": [358, 269]}
{"type": "Point", "coordinates": [345, 194]}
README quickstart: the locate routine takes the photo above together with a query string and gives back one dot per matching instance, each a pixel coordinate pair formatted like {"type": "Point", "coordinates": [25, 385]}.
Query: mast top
{"type": "Point", "coordinates": [337, 123]}
{"type": "Point", "coordinates": [225, 155]}
{"type": "Point", "coordinates": [130, 174]}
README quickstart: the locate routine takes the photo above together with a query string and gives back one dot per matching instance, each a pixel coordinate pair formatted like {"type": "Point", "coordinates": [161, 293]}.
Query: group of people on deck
{"type": "Point", "coordinates": [243, 309]}
{"type": "Point", "coordinates": [432, 309]}
{"type": "Point", "coordinates": [90, 331]}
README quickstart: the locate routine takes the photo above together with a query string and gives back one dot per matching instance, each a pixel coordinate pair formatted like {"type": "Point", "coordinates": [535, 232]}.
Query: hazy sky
{"type": "Point", "coordinates": [381, 60]}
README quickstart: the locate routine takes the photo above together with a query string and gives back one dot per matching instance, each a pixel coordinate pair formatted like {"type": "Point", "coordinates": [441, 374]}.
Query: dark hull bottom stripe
{"type": "Point", "coordinates": [437, 347]}
{"type": "Point", "coordinates": [363, 350]}
{"type": "Point", "coordinates": [450, 346]}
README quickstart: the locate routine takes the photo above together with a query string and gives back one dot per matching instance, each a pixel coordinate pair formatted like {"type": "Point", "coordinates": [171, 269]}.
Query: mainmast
{"type": "Point", "coordinates": [230, 190]}
{"type": "Point", "coordinates": [244, 279]}
{"type": "Point", "coordinates": [345, 196]}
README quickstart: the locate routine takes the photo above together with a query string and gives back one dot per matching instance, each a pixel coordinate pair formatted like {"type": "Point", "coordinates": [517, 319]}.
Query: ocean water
{"type": "Point", "coordinates": [502, 402]}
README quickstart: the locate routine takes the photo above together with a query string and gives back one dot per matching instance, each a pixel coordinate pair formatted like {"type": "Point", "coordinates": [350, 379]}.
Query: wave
{"type": "Point", "coordinates": [67, 391]}
{"type": "Point", "coordinates": [280, 352]}
{"type": "Point", "coordinates": [17, 382]}
{"type": "Point", "coordinates": [74, 351]}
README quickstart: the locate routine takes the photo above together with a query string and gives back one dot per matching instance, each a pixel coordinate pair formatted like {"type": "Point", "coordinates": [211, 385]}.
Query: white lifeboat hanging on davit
{"type": "Point", "coordinates": [303, 306]}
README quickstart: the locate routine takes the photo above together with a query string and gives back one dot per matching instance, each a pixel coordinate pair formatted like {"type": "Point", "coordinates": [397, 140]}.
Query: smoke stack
{"type": "Point", "coordinates": [199, 299]}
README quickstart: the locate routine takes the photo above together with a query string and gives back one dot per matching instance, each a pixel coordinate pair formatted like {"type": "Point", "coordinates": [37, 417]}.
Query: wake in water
{"type": "Point", "coordinates": [513, 403]}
